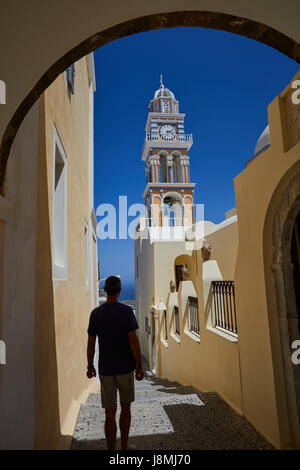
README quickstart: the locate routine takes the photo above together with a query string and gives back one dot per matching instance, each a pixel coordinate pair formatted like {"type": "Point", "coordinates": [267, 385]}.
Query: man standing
{"type": "Point", "coordinates": [119, 355]}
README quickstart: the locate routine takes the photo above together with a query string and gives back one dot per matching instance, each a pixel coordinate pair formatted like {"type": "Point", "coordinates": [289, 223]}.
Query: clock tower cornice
{"type": "Point", "coordinates": [163, 116]}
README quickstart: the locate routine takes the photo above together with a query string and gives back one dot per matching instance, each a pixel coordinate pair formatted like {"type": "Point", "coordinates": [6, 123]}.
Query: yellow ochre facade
{"type": "Point", "coordinates": [50, 242]}
{"type": "Point", "coordinates": [218, 308]}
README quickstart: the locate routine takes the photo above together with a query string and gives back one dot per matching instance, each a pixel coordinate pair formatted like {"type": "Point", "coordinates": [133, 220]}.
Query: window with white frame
{"type": "Point", "coordinates": [70, 75]}
{"type": "Point", "coordinates": [59, 225]}
{"type": "Point", "coordinates": [86, 254]}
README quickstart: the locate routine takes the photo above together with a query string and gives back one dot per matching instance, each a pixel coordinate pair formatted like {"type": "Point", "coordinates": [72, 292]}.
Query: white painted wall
{"type": "Point", "coordinates": [155, 271]}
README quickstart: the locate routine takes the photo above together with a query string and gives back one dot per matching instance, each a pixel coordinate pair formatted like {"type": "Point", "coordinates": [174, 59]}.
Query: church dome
{"type": "Point", "coordinates": [263, 142]}
{"type": "Point", "coordinates": [163, 92]}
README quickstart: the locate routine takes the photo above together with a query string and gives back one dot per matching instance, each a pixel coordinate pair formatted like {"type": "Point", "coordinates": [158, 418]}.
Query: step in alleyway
{"type": "Point", "coordinates": [169, 416]}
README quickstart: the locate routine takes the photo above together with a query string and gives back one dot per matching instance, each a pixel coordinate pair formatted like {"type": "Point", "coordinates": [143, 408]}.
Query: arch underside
{"type": "Point", "coordinates": [204, 19]}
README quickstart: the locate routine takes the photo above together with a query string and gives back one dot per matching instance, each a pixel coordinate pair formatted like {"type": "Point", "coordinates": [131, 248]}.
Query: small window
{"type": "Point", "coordinates": [86, 254]}
{"type": "Point", "coordinates": [59, 229]}
{"type": "Point", "coordinates": [71, 78]}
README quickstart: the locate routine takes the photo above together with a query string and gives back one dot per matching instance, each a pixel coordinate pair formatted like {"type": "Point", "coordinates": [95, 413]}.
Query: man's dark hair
{"type": "Point", "coordinates": [112, 285]}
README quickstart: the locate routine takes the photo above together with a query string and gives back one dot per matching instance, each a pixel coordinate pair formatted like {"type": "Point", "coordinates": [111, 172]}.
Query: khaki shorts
{"type": "Point", "coordinates": [109, 386]}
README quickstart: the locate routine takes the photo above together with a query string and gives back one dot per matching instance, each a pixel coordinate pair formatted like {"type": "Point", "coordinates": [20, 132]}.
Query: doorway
{"type": "Point", "coordinates": [286, 269]}
{"type": "Point", "coordinates": [295, 258]}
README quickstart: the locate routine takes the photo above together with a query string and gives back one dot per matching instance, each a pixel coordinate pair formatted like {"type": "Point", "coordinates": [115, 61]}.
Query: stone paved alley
{"type": "Point", "coordinates": [168, 416]}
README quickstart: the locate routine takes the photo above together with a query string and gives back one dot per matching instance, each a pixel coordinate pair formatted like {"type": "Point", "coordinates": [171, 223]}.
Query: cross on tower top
{"type": "Point", "coordinates": [161, 82]}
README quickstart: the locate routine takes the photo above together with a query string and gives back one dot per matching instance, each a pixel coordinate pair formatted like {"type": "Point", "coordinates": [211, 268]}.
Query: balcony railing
{"type": "Point", "coordinates": [223, 300]}
{"type": "Point", "coordinates": [176, 321]}
{"type": "Point", "coordinates": [167, 222]}
{"type": "Point", "coordinates": [193, 314]}
{"type": "Point", "coordinates": [177, 138]}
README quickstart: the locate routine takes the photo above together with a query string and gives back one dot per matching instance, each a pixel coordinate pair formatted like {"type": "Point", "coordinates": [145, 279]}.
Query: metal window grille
{"type": "Point", "coordinates": [193, 314]}
{"type": "Point", "coordinates": [176, 319]}
{"type": "Point", "coordinates": [165, 325]}
{"type": "Point", "coordinates": [223, 298]}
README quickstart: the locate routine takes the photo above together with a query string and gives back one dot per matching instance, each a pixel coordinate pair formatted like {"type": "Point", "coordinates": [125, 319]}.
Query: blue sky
{"type": "Point", "coordinates": [224, 84]}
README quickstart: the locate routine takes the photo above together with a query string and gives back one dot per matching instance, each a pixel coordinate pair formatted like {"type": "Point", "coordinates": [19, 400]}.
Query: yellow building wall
{"type": "Point", "coordinates": [224, 246]}
{"type": "Point", "coordinates": [261, 363]}
{"type": "Point", "coordinates": [62, 307]}
{"type": "Point", "coordinates": [248, 374]}
{"type": "Point", "coordinates": [210, 364]}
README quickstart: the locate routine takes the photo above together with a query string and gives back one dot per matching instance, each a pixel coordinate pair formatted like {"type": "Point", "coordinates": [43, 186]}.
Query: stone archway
{"type": "Point", "coordinates": [288, 318]}
{"type": "Point", "coordinates": [205, 19]}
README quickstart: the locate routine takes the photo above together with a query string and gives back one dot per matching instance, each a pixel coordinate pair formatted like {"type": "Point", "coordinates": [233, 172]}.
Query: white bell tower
{"type": "Point", "coordinates": [169, 194]}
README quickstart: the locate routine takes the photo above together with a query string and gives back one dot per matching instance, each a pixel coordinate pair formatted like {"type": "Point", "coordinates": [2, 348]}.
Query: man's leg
{"type": "Point", "coordinates": [125, 384]}
{"type": "Point", "coordinates": [109, 402]}
{"type": "Point", "coordinates": [110, 428]}
{"type": "Point", "coordinates": [125, 419]}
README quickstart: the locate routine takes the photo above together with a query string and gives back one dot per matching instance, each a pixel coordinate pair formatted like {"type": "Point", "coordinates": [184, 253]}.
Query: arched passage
{"type": "Point", "coordinates": [205, 19]}
{"type": "Point", "coordinates": [279, 258]}
{"type": "Point", "coordinates": [15, 112]}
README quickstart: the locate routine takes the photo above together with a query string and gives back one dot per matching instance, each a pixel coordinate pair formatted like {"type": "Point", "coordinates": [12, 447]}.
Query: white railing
{"type": "Point", "coordinates": [166, 222]}
{"type": "Point", "coordinates": [177, 138]}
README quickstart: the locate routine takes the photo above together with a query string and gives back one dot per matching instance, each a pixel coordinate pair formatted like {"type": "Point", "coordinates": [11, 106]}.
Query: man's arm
{"type": "Point", "coordinates": [90, 356]}
{"type": "Point", "coordinates": [136, 351]}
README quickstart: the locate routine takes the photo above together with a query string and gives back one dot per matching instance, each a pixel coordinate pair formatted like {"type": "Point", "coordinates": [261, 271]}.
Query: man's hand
{"type": "Point", "coordinates": [139, 373]}
{"type": "Point", "coordinates": [91, 373]}
{"type": "Point", "coordinates": [136, 352]}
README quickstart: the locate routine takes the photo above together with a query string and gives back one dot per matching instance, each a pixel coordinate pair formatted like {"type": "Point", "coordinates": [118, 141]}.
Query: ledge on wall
{"type": "Point", "coordinates": [193, 336]}
{"type": "Point", "coordinates": [176, 338]}
{"type": "Point", "coordinates": [229, 337]}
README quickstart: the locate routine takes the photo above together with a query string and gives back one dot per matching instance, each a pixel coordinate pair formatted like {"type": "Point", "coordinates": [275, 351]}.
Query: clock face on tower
{"type": "Point", "coordinates": [167, 132]}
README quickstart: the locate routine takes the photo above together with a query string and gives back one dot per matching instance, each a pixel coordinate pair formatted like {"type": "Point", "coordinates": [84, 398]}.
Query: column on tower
{"type": "Point", "coordinates": [183, 208]}
{"type": "Point", "coordinates": [157, 165]}
{"type": "Point", "coordinates": [188, 210]}
{"type": "Point", "coordinates": [176, 169]}
{"type": "Point", "coordinates": [150, 208]}
{"type": "Point", "coordinates": [182, 170]}
{"type": "Point", "coordinates": [170, 169]}
{"type": "Point", "coordinates": [161, 215]}
{"type": "Point", "coordinates": [188, 170]}
{"type": "Point", "coordinates": [154, 164]}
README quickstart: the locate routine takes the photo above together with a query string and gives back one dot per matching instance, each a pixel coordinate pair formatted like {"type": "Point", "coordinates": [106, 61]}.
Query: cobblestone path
{"type": "Point", "coordinates": [168, 416]}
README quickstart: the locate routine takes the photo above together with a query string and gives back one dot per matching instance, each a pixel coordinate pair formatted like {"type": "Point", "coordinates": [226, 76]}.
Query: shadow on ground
{"type": "Point", "coordinates": [168, 416]}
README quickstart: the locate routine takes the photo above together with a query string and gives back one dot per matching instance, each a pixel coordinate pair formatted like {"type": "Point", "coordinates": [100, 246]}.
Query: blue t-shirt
{"type": "Point", "coordinates": [112, 322]}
